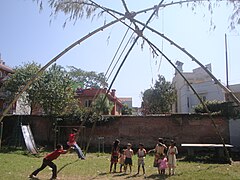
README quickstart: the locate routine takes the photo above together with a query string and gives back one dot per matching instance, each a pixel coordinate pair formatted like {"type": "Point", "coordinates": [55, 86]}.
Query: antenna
{"type": "Point", "coordinates": [226, 60]}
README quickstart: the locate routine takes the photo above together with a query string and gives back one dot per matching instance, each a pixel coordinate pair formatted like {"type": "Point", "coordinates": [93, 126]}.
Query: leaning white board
{"type": "Point", "coordinates": [28, 138]}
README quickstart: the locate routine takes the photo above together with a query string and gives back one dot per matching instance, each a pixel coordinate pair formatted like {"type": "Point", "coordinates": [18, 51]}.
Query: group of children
{"type": "Point", "coordinates": [123, 157]}
{"type": "Point", "coordinates": [164, 157]}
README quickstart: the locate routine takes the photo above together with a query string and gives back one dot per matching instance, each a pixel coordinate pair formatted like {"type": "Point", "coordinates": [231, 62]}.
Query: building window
{"type": "Point", "coordinates": [188, 102]}
{"type": "Point", "coordinates": [204, 98]}
{"type": "Point", "coordinates": [1, 74]}
{"type": "Point", "coordinates": [88, 103]}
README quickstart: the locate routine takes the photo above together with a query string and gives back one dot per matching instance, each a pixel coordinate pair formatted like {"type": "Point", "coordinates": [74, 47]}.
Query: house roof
{"type": "Point", "coordinates": [6, 68]}
{"type": "Point", "coordinates": [92, 92]}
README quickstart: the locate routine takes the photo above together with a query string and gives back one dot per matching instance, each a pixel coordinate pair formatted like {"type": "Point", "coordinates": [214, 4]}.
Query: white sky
{"type": "Point", "coordinates": [27, 35]}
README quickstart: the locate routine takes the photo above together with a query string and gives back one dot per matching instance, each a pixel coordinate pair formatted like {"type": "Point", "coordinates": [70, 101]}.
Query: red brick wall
{"type": "Point", "coordinates": [182, 128]}
{"type": "Point", "coordinates": [133, 129]}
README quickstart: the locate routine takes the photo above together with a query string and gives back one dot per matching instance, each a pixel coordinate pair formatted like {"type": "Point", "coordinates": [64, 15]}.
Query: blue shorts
{"type": "Point", "coordinates": [128, 161]}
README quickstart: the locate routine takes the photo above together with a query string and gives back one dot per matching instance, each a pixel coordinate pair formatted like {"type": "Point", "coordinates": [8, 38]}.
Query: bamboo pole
{"type": "Point", "coordinates": [236, 100]}
{"type": "Point", "coordinates": [200, 99]}
{"type": "Point", "coordinates": [21, 90]}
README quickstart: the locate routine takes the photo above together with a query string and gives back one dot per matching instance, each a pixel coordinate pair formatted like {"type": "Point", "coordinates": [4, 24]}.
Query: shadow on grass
{"type": "Point", "coordinates": [204, 158]}
{"type": "Point", "coordinates": [18, 151]}
{"type": "Point", "coordinates": [66, 166]}
{"type": "Point", "coordinates": [158, 176]}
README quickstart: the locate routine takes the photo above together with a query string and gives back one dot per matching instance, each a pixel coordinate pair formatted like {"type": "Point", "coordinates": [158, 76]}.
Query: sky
{"type": "Point", "coordinates": [28, 34]}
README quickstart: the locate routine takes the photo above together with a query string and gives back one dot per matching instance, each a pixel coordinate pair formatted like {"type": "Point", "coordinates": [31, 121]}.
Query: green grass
{"type": "Point", "coordinates": [18, 165]}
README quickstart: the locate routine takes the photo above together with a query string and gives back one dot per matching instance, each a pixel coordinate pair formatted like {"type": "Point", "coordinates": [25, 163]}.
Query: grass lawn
{"type": "Point", "coordinates": [17, 165]}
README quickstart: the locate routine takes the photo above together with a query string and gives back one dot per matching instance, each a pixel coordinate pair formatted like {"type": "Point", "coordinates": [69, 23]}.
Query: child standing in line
{"type": "Point", "coordinates": [128, 158]}
{"type": "Point", "coordinates": [72, 143]}
{"type": "Point", "coordinates": [47, 161]}
{"type": "Point", "coordinates": [114, 155]}
{"type": "Point", "coordinates": [172, 160]}
{"type": "Point", "coordinates": [141, 156]}
{"type": "Point", "coordinates": [121, 159]}
{"type": "Point", "coordinates": [162, 164]}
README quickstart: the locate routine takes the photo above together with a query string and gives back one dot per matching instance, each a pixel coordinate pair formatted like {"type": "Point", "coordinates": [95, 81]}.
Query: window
{"type": "Point", "coordinates": [204, 98]}
{"type": "Point", "coordinates": [88, 103]}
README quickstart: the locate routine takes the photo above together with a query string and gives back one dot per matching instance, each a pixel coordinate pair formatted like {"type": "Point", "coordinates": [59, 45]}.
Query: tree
{"type": "Point", "coordinates": [56, 93]}
{"type": "Point", "coordinates": [22, 74]}
{"type": "Point", "coordinates": [218, 107]}
{"type": "Point", "coordinates": [159, 98]}
{"type": "Point", "coordinates": [101, 105]}
{"type": "Point", "coordinates": [126, 110]}
{"type": "Point", "coordinates": [87, 79]}
{"type": "Point", "coordinates": [79, 9]}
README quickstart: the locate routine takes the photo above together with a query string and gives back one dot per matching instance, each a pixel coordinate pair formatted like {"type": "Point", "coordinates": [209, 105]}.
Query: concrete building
{"type": "Point", "coordinates": [127, 101]}
{"type": "Point", "coordinates": [201, 82]}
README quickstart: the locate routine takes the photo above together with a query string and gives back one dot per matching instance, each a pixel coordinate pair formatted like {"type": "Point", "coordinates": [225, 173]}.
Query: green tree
{"type": "Point", "coordinates": [56, 93]}
{"type": "Point", "coordinates": [87, 79]}
{"type": "Point", "coordinates": [126, 110]}
{"type": "Point", "coordinates": [159, 98]}
{"type": "Point", "coordinates": [51, 91]}
{"type": "Point", "coordinates": [218, 107]}
{"type": "Point", "coordinates": [17, 80]}
{"type": "Point", "coordinates": [102, 105]}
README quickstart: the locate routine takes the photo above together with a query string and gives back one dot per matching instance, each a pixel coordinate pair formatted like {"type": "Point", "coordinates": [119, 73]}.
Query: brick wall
{"type": "Point", "coordinates": [181, 128]}
{"type": "Point", "coordinates": [133, 129]}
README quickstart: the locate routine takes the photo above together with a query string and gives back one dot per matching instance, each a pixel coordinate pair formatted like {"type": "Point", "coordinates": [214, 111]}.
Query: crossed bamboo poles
{"type": "Point", "coordinates": [131, 16]}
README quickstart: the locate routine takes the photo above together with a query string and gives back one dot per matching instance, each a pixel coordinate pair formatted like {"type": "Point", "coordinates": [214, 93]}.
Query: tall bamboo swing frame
{"type": "Point", "coordinates": [131, 17]}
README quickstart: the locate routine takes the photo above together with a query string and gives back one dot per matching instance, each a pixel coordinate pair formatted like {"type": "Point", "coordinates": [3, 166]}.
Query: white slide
{"type": "Point", "coordinates": [28, 138]}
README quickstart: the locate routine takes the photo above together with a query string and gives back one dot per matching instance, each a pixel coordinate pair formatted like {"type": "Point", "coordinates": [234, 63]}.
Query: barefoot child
{"type": "Point", "coordinates": [114, 155]}
{"type": "Point", "coordinates": [128, 158]}
{"type": "Point", "coordinates": [121, 159]}
{"type": "Point", "coordinates": [172, 160]}
{"type": "Point", "coordinates": [162, 164]}
{"type": "Point", "coordinates": [141, 156]}
{"type": "Point", "coordinates": [47, 161]}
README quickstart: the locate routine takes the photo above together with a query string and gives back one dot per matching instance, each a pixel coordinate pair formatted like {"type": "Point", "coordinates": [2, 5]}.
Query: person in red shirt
{"type": "Point", "coordinates": [72, 143]}
{"type": "Point", "coordinates": [47, 161]}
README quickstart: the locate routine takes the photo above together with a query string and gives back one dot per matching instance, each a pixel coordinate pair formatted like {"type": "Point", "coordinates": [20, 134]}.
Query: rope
{"type": "Point", "coordinates": [117, 51]}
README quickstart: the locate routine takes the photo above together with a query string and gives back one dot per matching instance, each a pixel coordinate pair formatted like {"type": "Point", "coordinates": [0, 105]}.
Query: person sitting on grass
{"type": "Point", "coordinates": [47, 161]}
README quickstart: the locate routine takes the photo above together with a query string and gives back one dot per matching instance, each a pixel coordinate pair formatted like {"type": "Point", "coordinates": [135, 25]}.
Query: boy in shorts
{"type": "Point", "coordinates": [141, 156]}
{"type": "Point", "coordinates": [128, 158]}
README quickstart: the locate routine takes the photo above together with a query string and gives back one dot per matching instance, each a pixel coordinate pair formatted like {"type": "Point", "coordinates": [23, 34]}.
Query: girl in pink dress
{"type": "Point", "coordinates": [162, 164]}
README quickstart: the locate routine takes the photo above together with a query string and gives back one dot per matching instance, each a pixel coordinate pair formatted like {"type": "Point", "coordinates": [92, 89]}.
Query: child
{"type": "Point", "coordinates": [72, 143]}
{"type": "Point", "coordinates": [114, 155]}
{"type": "Point", "coordinates": [47, 161]}
{"type": "Point", "coordinates": [128, 158]}
{"type": "Point", "coordinates": [172, 160]}
{"type": "Point", "coordinates": [162, 164]}
{"type": "Point", "coordinates": [158, 150]}
{"type": "Point", "coordinates": [121, 159]}
{"type": "Point", "coordinates": [141, 155]}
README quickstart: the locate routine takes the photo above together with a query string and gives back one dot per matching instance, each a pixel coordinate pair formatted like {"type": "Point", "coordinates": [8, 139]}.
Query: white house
{"type": "Point", "coordinates": [201, 82]}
